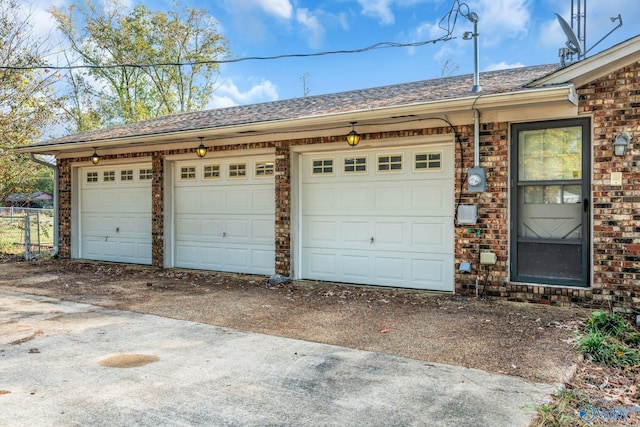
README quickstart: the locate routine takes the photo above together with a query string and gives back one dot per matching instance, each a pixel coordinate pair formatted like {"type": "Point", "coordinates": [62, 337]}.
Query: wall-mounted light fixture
{"type": "Point", "coordinates": [353, 137]}
{"type": "Point", "coordinates": [201, 151]}
{"type": "Point", "coordinates": [95, 159]}
{"type": "Point", "coordinates": [621, 143]}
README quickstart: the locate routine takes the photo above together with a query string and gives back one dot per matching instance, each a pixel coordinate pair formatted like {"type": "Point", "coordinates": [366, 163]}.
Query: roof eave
{"type": "Point", "coordinates": [522, 98]}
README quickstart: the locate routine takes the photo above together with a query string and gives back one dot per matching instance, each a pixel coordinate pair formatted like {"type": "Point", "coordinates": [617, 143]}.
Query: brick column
{"type": "Point", "coordinates": [283, 211]}
{"type": "Point", "coordinates": [64, 208]}
{"type": "Point", "coordinates": [157, 210]}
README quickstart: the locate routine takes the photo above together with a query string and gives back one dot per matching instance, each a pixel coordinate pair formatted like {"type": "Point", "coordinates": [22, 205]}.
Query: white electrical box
{"type": "Point", "coordinates": [467, 214]}
{"type": "Point", "coordinates": [616, 178]}
{"type": "Point", "coordinates": [488, 258]}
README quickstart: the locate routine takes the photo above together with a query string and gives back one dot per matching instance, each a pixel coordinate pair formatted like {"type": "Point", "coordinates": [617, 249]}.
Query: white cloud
{"type": "Point", "coordinates": [380, 9]}
{"type": "Point", "coordinates": [551, 34]}
{"type": "Point", "coordinates": [312, 26]}
{"type": "Point", "coordinates": [503, 66]}
{"type": "Point", "coordinates": [277, 8]}
{"type": "Point", "coordinates": [228, 94]}
{"type": "Point", "coordinates": [501, 19]}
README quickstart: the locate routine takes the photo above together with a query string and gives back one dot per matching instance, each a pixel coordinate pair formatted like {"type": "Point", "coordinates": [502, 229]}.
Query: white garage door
{"type": "Point", "coordinates": [379, 217]}
{"type": "Point", "coordinates": [115, 213]}
{"type": "Point", "coordinates": [225, 214]}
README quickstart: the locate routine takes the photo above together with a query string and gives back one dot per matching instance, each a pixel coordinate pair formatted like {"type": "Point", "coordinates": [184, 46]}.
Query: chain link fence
{"type": "Point", "coordinates": [26, 232]}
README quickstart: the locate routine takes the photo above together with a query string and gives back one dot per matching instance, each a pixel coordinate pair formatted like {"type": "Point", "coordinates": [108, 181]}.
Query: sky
{"type": "Point", "coordinates": [512, 33]}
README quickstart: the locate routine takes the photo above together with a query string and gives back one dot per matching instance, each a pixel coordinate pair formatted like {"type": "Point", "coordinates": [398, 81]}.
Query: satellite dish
{"type": "Point", "coordinates": [572, 43]}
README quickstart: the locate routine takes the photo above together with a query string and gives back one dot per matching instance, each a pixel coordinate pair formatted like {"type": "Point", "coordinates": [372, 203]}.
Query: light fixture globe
{"type": "Point", "coordinates": [95, 158]}
{"type": "Point", "coordinates": [201, 151]}
{"type": "Point", "coordinates": [353, 137]}
{"type": "Point", "coordinates": [621, 143]}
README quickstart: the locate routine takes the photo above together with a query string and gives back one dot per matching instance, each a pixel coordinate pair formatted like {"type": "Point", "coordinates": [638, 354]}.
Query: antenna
{"type": "Point", "coordinates": [574, 47]}
{"type": "Point", "coordinates": [573, 44]}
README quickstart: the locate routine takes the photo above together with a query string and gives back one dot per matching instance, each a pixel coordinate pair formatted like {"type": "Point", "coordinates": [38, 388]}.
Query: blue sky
{"type": "Point", "coordinates": [512, 33]}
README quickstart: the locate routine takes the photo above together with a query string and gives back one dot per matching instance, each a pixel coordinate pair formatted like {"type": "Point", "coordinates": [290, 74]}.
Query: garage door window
{"type": "Point", "coordinates": [237, 170]}
{"type": "Point", "coordinates": [92, 177]}
{"type": "Point", "coordinates": [109, 176]}
{"type": "Point", "coordinates": [355, 165]}
{"type": "Point", "coordinates": [211, 172]}
{"type": "Point", "coordinates": [428, 161]}
{"type": "Point", "coordinates": [390, 163]}
{"type": "Point", "coordinates": [322, 167]}
{"type": "Point", "coordinates": [264, 169]}
{"type": "Point", "coordinates": [126, 175]}
{"type": "Point", "coordinates": [188, 173]}
{"type": "Point", "coordinates": [146, 174]}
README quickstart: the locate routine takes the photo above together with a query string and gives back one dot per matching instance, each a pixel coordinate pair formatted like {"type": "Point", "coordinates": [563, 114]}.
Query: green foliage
{"type": "Point", "coordinates": [110, 35]}
{"type": "Point", "coordinates": [610, 340]}
{"type": "Point", "coordinates": [26, 98]}
{"type": "Point", "coordinates": [560, 412]}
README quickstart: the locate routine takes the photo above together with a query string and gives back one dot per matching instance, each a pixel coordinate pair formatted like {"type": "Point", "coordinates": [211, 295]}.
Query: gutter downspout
{"type": "Point", "coordinates": [56, 174]}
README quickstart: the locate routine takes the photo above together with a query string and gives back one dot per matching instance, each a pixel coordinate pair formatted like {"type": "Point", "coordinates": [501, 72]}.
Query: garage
{"type": "Point", "coordinates": [224, 214]}
{"type": "Point", "coordinates": [379, 216]}
{"type": "Point", "coordinates": [115, 213]}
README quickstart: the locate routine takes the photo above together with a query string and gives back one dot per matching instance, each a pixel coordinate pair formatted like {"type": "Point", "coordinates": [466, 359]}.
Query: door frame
{"type": "Point", "coordinates": [586, 216]}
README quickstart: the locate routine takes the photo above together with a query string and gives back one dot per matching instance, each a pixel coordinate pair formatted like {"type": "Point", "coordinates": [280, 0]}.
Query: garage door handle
{"type": "Point", "coordinates": [372, 240]}
{"type": "Point", "coordinates": [224, 234]}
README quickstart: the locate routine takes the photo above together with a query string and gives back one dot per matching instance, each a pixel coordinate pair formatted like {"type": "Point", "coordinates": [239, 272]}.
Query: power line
{"type": "Point", "coordinates": [449, 19]}
{"type": "Point", "coordinates": [381, 45]}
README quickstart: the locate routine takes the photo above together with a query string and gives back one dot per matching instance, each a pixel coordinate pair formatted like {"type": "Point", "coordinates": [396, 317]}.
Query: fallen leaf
{"type": "Point", "coordinates": [384, 330]}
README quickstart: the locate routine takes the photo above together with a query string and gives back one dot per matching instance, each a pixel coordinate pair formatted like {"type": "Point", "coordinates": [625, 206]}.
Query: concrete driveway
{"type": "Point", "coordinates": [65, 364]}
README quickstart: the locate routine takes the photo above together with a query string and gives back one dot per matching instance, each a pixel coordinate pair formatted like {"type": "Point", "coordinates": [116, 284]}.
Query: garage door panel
{"type": "Point", "coordinates": [390, 198]}
{"type": "Point", "coordinates": [432, 237]}
{"type": "Point", "coordinates": [321, 199]}
{"type": "Point", "coordinates": [262, 200]}
{"type": "Point", "coordinates": [187, 199]}
{"type": "Point", "coordinates": [133, 201]}
{"type": "Point", "coordinates": [408, 213]}
{"type": "Point", "coordinates": [320, 230]}
{"type": "Point", "coordinates": [355, 199]}
{"type": "Point", "coordinates": [353, 231]}
{"type": "Point", "coordinates": [115, 214]}
{"type": "Point", "coordinates": [262, 260]}
{"type": "Point", "coordinates": [238, 228]}
{"type": "Point", "coordinates": [322, 265]}
{"type": "Point", "coordinates": [263, 229]}
{"type": "Point", "coordinates": [229, 225]}
{"type": "Point", "coordinates": [355, 267]}
{"type": "Point", "coordinates": [189, 227]}
{"type": "Point", "coordinates": [432, 272]}
{"type": "Point", "coordinates": [435, 199]}
{"type": "Point", "coordinates": [210, 228]}
{"type": "Point", "coordinates": [390, 268]}
{"type": "Point", "coordinates": [210, 199]}
{"type": "Point", "coordinates": [237, 200]}
{"type": "Point", "coordinates": [390, 232]}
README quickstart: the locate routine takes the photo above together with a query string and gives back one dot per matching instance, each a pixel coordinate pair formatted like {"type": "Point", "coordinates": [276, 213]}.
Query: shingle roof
{"type": "Point", "coordinates": [442, 89]}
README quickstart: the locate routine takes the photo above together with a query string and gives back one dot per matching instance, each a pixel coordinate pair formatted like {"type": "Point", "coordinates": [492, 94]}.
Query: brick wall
{"type": "Point", "coordinates": [614, 103]}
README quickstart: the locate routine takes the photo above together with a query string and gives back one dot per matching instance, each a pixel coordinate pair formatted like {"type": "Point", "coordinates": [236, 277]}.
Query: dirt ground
{"type": "Point", "coordinates": [525, 340]}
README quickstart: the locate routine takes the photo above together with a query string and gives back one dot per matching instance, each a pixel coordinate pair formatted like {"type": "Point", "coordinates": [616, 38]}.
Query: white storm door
{"type": "Point", "coordinates": [379, 217]}
{"type": "Point", "coordinates": [115, 213]}
{"type": "Point", "coordinates": [224, 214]}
